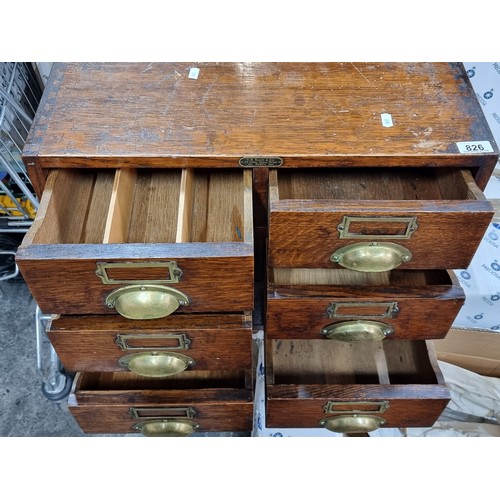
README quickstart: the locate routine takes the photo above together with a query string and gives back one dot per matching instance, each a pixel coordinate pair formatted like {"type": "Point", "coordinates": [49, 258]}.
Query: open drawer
{"type": "Point", "coordinates": [119, 403]}
{"type": "Point", "coordinates": [375, 219]}
{"type": "Point", "coordinates": [340, 304]}
{"type": "Point", "coordinates": [154, 348]}
{"type": "Point", "coordinates": [356, 387]}
{"type": "Point", "coordinates": [143, 243]}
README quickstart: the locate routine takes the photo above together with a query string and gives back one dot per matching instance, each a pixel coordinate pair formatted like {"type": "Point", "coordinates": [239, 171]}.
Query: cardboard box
{"type": "Point", "coordinates": [473, 349]}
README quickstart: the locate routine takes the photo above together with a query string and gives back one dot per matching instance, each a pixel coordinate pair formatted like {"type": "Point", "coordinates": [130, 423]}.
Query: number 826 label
{"type": "Point", "coordinates": [475, 147]}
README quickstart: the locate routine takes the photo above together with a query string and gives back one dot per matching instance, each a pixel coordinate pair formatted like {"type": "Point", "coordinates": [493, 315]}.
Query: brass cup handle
{"type": "Point", "coordinates": [156, 364]}
{"type": "Point", "coordinates": [371, 257]}
{"type": "Point", "coordinates": [166, 428]}
{"type": "Point", "coordinates": [352, 423]}
{"type": "Point", "coordinates": [146, 301]}
{"type": "Point", "coordinates": [355, 331]}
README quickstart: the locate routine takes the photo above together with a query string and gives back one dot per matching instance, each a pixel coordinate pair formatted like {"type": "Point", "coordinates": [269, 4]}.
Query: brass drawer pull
{"type": "Point", "coordinates": [146, 301]}
{"type": "Point", "coordinates": [371, 257]}
{"type": "Point", "coordinates": [355, 331]}
{"type": "Point", "coordinates": [352, 423]}
{"type": "Point", "coordinates": [156, 364]}
{"type": "Point", "coordinates": [166, 428]}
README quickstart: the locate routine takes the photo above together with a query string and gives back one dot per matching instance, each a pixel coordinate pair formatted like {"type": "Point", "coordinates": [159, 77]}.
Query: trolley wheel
{"type": "Point", "coordinates": [9, 243]}
{"type": "Point", "coordinates": [60, 393]}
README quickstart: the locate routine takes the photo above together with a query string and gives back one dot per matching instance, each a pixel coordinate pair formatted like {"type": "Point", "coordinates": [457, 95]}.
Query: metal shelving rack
{"type": "Point", "coordinates": [21, 89]}
{"type": "Point", "coordinates": [20, 92]}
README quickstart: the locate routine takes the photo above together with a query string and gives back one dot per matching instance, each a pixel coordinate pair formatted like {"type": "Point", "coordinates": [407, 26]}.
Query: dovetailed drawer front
{"type": "Point", "coordinates": [155, 348]}
{"type": "Point", "coordinates": [375, 219]}
{"type": "Point", "coordinates": [142, 243]}
{"type": "Point", "coordinates": [340, 304]}
{"type": "Point", "coordinates": [120, 403]}
{"type": "Point", "coordinates": [355, 387]}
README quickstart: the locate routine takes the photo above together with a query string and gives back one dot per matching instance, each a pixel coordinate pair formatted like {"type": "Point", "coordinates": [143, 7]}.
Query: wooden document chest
{"type": "Point", "coordinates": [325, 203]}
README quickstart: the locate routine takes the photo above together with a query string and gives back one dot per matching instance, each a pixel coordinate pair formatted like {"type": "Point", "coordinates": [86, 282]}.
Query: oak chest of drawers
{"type": "Point", "coordinates": [324, 203]}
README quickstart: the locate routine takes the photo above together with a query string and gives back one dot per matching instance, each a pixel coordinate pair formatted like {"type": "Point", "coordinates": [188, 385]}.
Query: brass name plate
{"type": "Point", "coordinates": [261, 161]}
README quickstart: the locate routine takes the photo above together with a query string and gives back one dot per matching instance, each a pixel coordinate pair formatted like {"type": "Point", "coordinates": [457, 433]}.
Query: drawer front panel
{"type": "Point", "coordinates": [99, 231]}
{"type": "Point", "coordinates": [364, 219]}
{"type": "Point", "coordinates": [65, 282]}
{"type": "Point", "coordinates": [85, 343]}
{"type": "Point", "coordinates": [408, 406]}
{"type": "Point", "coordinates": [309, 238]}
{"type": "Point", "coordinates": [235, 416]}
{"type": "Point", "coordinates": [304, 312]}
{"type": "Point", "coordinates": [216, 401]}
{"type": "Point", "coordinates": [392, 384]}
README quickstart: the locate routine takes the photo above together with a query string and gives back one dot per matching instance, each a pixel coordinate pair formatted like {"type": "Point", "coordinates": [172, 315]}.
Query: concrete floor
{"type": "Point", "coordinates": [24, 410]}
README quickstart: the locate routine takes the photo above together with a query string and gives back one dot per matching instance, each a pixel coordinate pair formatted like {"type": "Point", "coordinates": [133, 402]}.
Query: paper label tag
{"type": "Point", "coordinates": [386, 119]}
{"type": "Point", "coordinates": [193, 73]}
{"type": "Point", "coordinates": [475, 147]}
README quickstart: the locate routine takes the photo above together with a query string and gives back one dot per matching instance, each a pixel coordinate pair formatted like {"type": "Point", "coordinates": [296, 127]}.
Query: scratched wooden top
{"type": "Point", "coordinates": [308, 114]}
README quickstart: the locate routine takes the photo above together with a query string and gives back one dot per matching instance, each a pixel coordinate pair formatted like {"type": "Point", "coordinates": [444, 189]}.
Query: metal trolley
{"type": "Point", "coordinates": [21, 88]}
{"type": "Point", "coordinates": [20, 93]}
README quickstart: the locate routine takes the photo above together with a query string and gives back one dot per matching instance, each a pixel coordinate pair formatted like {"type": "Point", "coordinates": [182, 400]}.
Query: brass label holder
{"type": "Point", "coordinates": [359, 407]}
{"type": "Point", "coordinates": [363, 309]}
{"type": "Point", "coordinates": [180, 341]}
{"type": "Point", "coordinates": [171, 275]}
{"type": "Point", "coordinates": [161, 412]}
{"type": "Point", "coordinates": [344, 227]}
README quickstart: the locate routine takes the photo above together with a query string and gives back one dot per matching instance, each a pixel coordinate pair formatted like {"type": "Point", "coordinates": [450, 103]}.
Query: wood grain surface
{"type": "Point", "coordinates": [303, 376]}
{"type": "Point", "coordinates": [60, 252]}
{"type": "Point", "coordinates": [216, 342]}
{"type": "Point", "coordinates": [427, 303]}
{"type": "Point", "coordinates": [307, 209]}
{"type": "Point", "coordinates": [100, 402]}
{"type": "Point", "coordinates": [63, 280]}
{"type": "Point", "coordinates": [309, 114]}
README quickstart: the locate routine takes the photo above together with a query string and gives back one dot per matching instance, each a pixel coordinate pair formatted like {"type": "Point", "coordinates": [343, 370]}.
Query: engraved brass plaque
{"type": "Point", "coordinates": [261, 161]}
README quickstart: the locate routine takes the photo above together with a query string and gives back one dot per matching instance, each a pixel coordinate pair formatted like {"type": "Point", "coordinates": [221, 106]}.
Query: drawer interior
{"type": "Point", "coordinates": [374, 184]}
{"type": "Point", "coordinates": [125, 381]}
{"type": "Point", "coordinates": [342, 277]}
{"type": "Point", "coordinates": [144, 206]}
{"type": "Point", "coordinates": [378, 362]}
